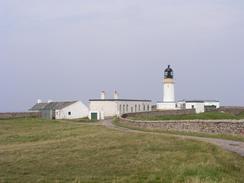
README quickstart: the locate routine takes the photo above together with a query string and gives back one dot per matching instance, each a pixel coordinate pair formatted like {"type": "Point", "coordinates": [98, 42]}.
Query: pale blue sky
{"type": "Point", "coordinates": [66, 50]}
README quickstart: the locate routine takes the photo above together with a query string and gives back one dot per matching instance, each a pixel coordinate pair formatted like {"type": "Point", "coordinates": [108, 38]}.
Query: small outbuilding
{"type": "Point", "coordinates": [199, 105]}
{"type": "Point", "coordinates": [61, 110]}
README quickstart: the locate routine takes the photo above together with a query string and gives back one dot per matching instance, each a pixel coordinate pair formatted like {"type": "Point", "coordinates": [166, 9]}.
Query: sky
{"type": "Point", "coordinates": [74, 49]}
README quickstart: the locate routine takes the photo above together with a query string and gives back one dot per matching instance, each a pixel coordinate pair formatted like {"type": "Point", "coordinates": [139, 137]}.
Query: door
{"type": "Point", "coordinates": [93, 116]}
{"type": "Point", "coordinates": [53, 114]}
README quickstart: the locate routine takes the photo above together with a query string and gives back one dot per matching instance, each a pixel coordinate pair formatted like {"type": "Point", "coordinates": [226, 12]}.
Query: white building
{"type": "Point", "coordinates": [199, 105]}
{"type": "Point", "coordinates": [169, 91]}
{"type": "Point", "coordinates": [101, 108]}
{"type": "Point", "coordinates": [61, 110]}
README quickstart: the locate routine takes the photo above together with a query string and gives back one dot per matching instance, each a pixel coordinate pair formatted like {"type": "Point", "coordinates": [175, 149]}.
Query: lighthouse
{"type": "Point", "coordinates": [168, 82]}
{"type": "Point", "coordinates": [169, 102]}
{"type": "Point", "coordinates": [168, 91]}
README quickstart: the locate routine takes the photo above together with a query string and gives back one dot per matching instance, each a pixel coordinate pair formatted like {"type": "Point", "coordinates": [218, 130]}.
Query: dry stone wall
{"type": "Point", "coordinates": [9, 115]}
{"type": "Point", "coordinates": [160, 113]}
{"type": "Point", "coordinates": [232, 110]}
{"type": "Point", "coordinates": [233, 127]}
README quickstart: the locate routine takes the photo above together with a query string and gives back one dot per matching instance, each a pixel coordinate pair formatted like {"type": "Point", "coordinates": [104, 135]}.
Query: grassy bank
{"type": "Point", "coordinates": [203, 116]}
{"type": "Point", "coordinates": [35, 150]}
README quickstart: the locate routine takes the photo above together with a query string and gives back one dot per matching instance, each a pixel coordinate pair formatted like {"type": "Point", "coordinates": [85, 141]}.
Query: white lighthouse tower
{"type": "Point", "coordinates": [168, 81]}
{"type": "Point", "coordinates": [169, 91]}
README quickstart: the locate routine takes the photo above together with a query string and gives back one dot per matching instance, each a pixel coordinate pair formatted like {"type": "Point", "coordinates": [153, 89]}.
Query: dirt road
{"type": "Point", "coordinates": [229, 145]}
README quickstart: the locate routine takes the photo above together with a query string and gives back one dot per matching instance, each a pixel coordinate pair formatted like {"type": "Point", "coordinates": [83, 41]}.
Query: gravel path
{"type": "Point", "coordinates": [229, 145]}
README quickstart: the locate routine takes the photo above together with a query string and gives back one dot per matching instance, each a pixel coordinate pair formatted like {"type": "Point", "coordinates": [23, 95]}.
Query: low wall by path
{"type": "Point", "coordinates": [233, 127]}
{"type": "Point", "coordinates": [9, 115]}
{"type": "Point", "coordinates": [160, 113]}
{"type": "Point", "coordinates": [231, 110]}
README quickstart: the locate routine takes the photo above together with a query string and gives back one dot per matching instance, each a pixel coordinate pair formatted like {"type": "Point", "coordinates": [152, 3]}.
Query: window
{"type": "Point", "coordinates": [148, 108]}
{"type": "Point", "coordinates": [192, 106]}
{"type": "Point", "coordinates": [123, 108]}
{"type": "Point", "coordinates": [69, 113]}
{"type": "Point", "coordinates": [135, 108]}
{"type": "Point", "coordinates": [144, 108]}
{"type": "Point", "coordinates": [139, 107]}
{"type": "Point", "coordinates": [127, 108]}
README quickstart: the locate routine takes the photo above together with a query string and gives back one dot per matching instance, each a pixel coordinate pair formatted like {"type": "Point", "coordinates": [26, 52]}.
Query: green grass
{"type": "Point", "coordinates": [241, 115]}
{"type": "Point", "coordinates": [204, 116]}
{"type": "Point", "coordinates": [82, 120]}
{"type": "Point", "coordinates": [35, 150]}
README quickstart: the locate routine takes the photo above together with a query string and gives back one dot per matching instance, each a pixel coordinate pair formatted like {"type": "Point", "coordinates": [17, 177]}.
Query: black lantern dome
{"type": "Point", "coordinates": [168, 73]}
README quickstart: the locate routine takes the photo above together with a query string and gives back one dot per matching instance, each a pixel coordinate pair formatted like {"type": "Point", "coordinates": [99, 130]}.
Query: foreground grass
{"type": "Point", "coordinates": [204, 116]}
{"type": "Point", "coordinates": [33, 150]}
{"type": "Point", "coordinates": [81, 120]}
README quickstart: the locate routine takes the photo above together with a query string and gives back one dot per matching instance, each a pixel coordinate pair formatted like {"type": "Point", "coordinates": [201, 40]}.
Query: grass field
{"type": "Point", "coordinates": [35, 150]}
{"type": "Point", "coordinates": [204, 116]}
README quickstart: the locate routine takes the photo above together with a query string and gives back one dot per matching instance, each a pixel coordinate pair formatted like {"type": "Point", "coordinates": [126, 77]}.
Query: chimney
{"type": "Point", "coordinates": [49, 101]}
{"type": "Point", "coordinates": [116, 95]}
{"type": "Point", "coordinates": [39, 101]}
{"type": "Point", "coordinates": [103, 95]}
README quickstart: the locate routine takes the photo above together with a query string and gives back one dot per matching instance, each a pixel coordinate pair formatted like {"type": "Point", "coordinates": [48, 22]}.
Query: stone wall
{"type": "Point", "coordinates": [160, 113]}
{"type": "Point", "coordinates": [231, 110]}
{"type": "Point", "coordinates": [9, 115]}
{"type": "Point", "coordinates": [233, 127]}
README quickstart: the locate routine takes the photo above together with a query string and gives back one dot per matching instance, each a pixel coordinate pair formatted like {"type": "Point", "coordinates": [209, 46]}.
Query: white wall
{"type": "Point", "coordinates": [166, 106]}
{"type": "Point", "coordinates": [198, 106]}
{"type": "Point", "coordinates": [169, 91]}
{"type": "Point", "coordinates": [209, 103]}
{"type": "Point", "coordinates": [116, 108]}
{"type": "Point", "coordinates": [108, 108]}
{"type": "Point", "coordinates": [181, 105]}
{"type": "Point", "coordinates": [133, 106]}
{"type": "Point", "coordinates": [77, 110]}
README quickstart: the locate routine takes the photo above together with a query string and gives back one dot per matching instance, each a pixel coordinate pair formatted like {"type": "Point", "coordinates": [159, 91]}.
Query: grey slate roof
{"type": "Point", "coordinates": [198, 101]}
{"type": "Point", "coordinates": [38, 107]}
{"type": "Point", "coordinates": [58, 105]}
{"type": "Point", "coordinates": [121, 100]}
{"type": "Point", "coordinates": [52, 105]}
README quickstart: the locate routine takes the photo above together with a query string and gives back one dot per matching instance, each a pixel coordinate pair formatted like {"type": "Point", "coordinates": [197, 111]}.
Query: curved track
{"type": "Point", "coordinates": [229, 145]}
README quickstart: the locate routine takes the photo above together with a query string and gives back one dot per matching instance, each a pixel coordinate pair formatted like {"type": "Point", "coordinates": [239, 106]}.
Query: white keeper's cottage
{"type": "Point", "coordinates": [102, 108]}
{"type": "Point", "coordinates": [61, 110]}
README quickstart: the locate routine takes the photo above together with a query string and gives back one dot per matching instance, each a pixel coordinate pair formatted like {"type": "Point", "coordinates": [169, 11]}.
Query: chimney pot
{"type": "Point", "coordinates": [116, 95]}
{"type": "Point", "coordinates": [103, 95]}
